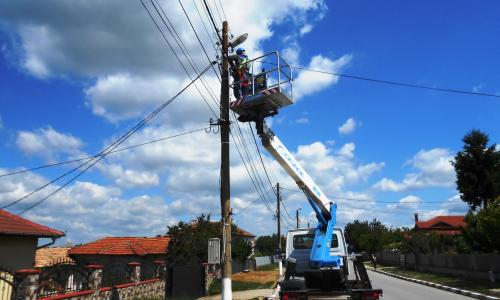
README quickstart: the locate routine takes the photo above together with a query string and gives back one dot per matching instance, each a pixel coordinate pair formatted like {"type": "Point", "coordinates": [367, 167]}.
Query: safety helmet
{"type": "Point", "coordinates": [240, 51]}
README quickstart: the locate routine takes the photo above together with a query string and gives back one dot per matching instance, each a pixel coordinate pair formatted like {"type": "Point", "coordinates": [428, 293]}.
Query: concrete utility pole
{"type": "Point", "coordinates": [278, 214]}
{"type": "Point", "coordinates": [297, 217]}
{"type": "Point", "coordinates": [225, 191]}
{"type": "Point", "coordinates": [278, 217]}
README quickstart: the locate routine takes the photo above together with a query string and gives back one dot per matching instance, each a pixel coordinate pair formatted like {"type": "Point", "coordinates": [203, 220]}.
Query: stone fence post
{"type": "Point", "coordinates": [159, 265]}
{"type": "Point", "coordinates": [212, 272]}
{"type": "Point", "coordinates": [95, 278]}
{"type": "Point", "coordinates": [135, 268]}
{"type": "Point", "coordinates": [27, 284]}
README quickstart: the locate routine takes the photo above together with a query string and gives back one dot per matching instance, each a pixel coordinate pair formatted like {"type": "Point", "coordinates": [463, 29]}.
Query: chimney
{"type": "Point", "coordinates": [416, 218]}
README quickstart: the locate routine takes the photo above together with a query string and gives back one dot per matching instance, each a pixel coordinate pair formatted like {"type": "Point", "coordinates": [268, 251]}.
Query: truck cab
{"type": "Point", "coordinates": [300, 241]}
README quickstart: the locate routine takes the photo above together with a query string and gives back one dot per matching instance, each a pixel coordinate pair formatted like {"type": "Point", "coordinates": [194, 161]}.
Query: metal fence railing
{"type": "Point", "coordinates": [258, 78]}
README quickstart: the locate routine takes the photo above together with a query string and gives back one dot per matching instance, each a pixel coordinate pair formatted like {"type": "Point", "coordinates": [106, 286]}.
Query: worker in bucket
{"type": "Point", "coordinates": [240, 71]}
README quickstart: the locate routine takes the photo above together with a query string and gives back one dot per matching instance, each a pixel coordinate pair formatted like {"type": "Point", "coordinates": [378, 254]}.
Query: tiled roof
{"type": "Point", "coordinates": [51, 255]}
{"type": "Point", "coordinates": [123, 246]}
{"type": "Point", "coordinates": [11, 224]}
{"type": "Point", "coordinates": [244, 233]}
{"type": "Point", "coordinates": [239, 231]}
{"type": "Point", "coordinates": [442, 222]}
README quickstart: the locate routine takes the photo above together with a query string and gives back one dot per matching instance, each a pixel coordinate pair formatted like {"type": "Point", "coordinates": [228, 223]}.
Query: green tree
{"type": "Point", "coordinates": [268, 244]}
{"type": "Point", "coordinates": [191, 240]}
{"type": "Point", "coordinates": [478, 170]}
{"type": "Point", "coordinates": [483, 230]}
{"type": "Point", "coordinates": [353, 232]}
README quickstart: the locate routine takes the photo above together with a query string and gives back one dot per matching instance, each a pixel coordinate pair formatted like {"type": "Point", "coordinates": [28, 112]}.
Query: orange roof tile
{"type": "Point", "coordinates": [51, 255]}
{"type": "Point", "coordinates": [452, 221]}
{"type": "Point", "coordinates": [11, 224]}
{"type": "Point", "coordinates": [123, 246]}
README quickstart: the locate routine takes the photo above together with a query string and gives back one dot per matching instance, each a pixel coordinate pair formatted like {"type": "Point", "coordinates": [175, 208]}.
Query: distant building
{"type": "Point", "coordinates": [124, 249]}
{"type": "Point", "coordinates": [52, 255]}
{"type": "Point", "coordinates": [450, 225]}
{"type": "Point", "coordinates": [19, 241]}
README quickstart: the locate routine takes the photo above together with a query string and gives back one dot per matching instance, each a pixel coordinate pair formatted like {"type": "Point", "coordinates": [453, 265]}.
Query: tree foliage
{"type": "Point", "coordinates": [483, 230]}
{"type": "Point", "coordinates": [268, 244]}
{"type": "Point", "coordinates": [478, 170]}
{"type": "Point", "coordinates": [191, 240]}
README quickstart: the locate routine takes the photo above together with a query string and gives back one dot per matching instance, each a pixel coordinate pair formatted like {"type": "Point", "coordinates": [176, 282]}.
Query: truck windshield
{"type": "Point", "coordinates": [305, 241]}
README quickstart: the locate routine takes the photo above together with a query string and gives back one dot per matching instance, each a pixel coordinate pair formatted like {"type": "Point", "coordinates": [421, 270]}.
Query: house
{"type": "Point", "coordinates": [449, 225]}
{"type": "Point", "coordinates": [52, 255]}
{"type": "Point", "coordinates": [19, 241]}
{"type": "Point", "coordinates": [115, 253]}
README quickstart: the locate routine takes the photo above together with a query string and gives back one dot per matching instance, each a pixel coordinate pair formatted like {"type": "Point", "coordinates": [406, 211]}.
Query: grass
{"type": "Point", "coordinates": [215, 287]}
{"type": "Point", "coordinates": [480, 286]}
{"type": "Point", "coordinates": [269, 267]}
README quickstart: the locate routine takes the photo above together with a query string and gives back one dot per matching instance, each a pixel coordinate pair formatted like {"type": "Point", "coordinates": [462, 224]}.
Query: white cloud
{"type": "Point", "coordinates": [410, 201]}
{"type": "Point", "coordinates": [433, 169]}
{"type": "Point", "coordinates": [308, 82]}
{"type": "Point", "coordinates": [302, 120]}
{"type": "Point", "coordinates": [47, 143]}
{"type": "Point", "coordinates": [348, 127]}
{"type": "Point", "coordinates": [116, 45]}
{"type": "Point", "coordinates": [306, 29]}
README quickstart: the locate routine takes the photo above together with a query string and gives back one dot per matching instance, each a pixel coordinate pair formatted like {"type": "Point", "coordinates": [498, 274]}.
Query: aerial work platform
{"type": "Point", "coordinates": [267, 91]}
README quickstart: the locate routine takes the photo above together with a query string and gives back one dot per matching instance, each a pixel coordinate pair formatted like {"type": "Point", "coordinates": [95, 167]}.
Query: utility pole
{"type": "Point", "coordinates": [278, 214]}
{"type": "Point", "coordinates": [278, 217]}
{"type": "Point", "coordinates": [225, 191]}
{"type": "Point", "coordinates": [297, 217]}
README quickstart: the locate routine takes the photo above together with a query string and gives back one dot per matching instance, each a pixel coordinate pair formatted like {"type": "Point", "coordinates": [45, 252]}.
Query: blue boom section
{"type": "Point", "coordinates": [320, 252]}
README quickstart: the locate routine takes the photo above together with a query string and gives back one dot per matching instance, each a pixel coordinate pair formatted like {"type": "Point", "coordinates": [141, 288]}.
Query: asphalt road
{"type": "Point", "coordinates": [397, 289]}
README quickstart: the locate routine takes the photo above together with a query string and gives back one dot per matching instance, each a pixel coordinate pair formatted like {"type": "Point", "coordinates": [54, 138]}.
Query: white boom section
{"type": "Point", "coordinates": [292, 167]}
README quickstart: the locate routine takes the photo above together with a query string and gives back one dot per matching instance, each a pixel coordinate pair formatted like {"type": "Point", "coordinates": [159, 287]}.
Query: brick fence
{"type": "Point", "coordinates": [477, 266]}
{"type": "Point", "coordinates": [152, 288]}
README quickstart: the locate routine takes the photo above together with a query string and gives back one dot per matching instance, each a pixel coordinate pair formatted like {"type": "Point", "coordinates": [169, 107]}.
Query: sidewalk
{"type": "Point", "coordinates": [244, 295]}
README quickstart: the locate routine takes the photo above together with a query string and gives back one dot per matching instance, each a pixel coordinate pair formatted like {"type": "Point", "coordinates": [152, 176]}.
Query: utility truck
{"type": "Point", "coordinates": [317, 261]}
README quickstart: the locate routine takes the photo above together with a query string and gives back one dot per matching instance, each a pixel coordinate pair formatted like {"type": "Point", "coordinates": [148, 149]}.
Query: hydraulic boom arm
{"type": "Point", "coordinates": [324, 208]}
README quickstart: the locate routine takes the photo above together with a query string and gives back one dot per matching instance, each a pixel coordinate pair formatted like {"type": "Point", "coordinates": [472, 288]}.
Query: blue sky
{"type": "Point", "coordinates": [73, 77]}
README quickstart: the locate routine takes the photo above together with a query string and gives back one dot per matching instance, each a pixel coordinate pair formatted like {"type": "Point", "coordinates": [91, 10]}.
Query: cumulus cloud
{"type": "Point", "coordinates": [308, 82]}
{"type": "Point", "coordinates": [47, 143]}
{"type": "Point", "coordinates": [433, 169]}
{"type": "Point", "coordinates": [117, 47]}
{"type": "Point", "coordinates": [114, 47]}
{"type": "Point", "coordinates": [410, 201]}
{"type": "Point", "coordinates": [348, 127]}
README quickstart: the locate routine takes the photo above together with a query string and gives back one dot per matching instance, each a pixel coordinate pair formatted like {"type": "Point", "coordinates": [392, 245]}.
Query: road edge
{"type": "Point", "coordinates": [439, 286]}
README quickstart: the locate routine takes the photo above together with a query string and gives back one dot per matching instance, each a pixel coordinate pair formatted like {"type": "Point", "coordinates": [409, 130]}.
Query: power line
{"type": "Point", "coordinates": [103, 153]}
{"type": "Point", "coordinates": [172, 48]}
{"type": "Point", "coordinates": [251, 203]}
{"type": "Point", "coordinates": [223, 11]}
{"type": "Point", "coordinates": [217, 10]}
{"type": "Point", "coordinates": [198, 38]}
{"type": "Point", "coordinates": [404, 84]}
{"type": "Point", "coordinates": [94, 156]}
{"type": "Point", "coordinates": [378, 201]}
{"type": "Point", "coordinates": [259, 184]}
{"type": "Point", "coordinates": [212, 19]}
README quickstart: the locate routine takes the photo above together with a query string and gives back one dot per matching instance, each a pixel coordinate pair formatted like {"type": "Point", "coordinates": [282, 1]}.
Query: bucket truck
{"type": "Point", "coordinates": [317, 262]}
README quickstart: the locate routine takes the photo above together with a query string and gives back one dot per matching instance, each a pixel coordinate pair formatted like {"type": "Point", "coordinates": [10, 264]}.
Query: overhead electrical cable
{"type": "Point", "coordinates": [198, 38]}
{"type": "Point", "coordinates": [367, 200]}
{"type": "Point", "coordinates": [105, 152]}
{"type": "Point", "coordinates": [218, 13]}
{"type": "Point", "coordinates": [205, 26]}
{"type": "Point", "coordinates": [249, 174]}
{"type": "Point", "coordinates": [250, 158]}
{"type": "Point", "coordinates": [212, 19]}
{"type": "Point", "coordinates": [188, 57]}
{"type": "Point", "coordinates": [395, 83]}
{"type": "Point", "coordinates": [173, 50]}
{"type": "Point", "coordinates": [94, 156]}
